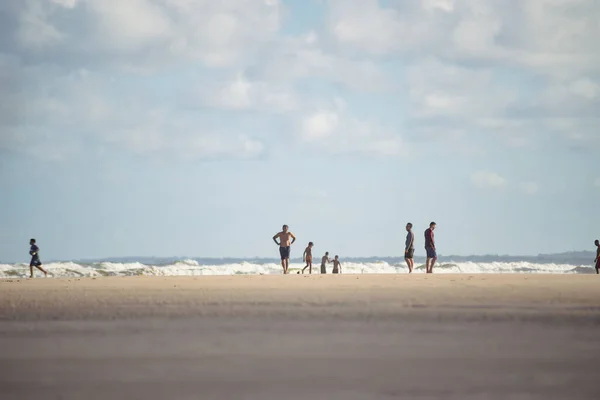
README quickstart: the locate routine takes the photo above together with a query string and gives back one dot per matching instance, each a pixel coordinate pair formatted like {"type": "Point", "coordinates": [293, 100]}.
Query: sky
{"type": "Point", "coordinates": [199, 127]}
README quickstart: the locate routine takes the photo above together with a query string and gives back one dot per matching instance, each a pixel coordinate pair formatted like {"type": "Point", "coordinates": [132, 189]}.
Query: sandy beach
{"type": "Point", "coordinates": [517, 336]}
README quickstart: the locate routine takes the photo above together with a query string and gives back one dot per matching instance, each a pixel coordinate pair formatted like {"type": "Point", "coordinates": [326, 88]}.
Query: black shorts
{"type": "Point", "coordinates": [323, 269]}
{"type": "Point", "coordinates": [35, 262]}
{"type": "Point", "coordinates": [284, 252]}
{"type": "Point", "coordinates": [409, 254]}
{"type": "Point", "coordinates": [335, 271]}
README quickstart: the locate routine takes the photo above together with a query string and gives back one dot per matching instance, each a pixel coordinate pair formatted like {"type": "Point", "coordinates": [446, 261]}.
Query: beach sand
{"type": "Point", "coordinates": [518, 336]}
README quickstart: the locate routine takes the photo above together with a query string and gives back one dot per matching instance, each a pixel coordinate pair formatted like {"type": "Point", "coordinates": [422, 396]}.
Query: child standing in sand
{"type": "Point", "coordinates": [337, 266]}
{"type": "Point", "coordinates": [307, 257]}
{"type": "Point", "coordinates": [35, 259]}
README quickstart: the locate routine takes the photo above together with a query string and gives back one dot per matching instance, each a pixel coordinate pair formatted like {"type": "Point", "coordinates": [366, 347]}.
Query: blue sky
{"type": "Point", "coordinates": [198, 128]}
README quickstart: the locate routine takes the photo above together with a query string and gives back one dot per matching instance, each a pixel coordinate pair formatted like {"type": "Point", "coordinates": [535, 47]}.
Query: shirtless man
{"type": "Point", "coordinates": [597, 260]}
{"type": "Point", "coordinates": [337, 266]}
{"type": "Point", "coordinates": [307, 258]}
{"type": "Point", "coordinates": [324, 261]}
{"type": "Point", "coordinates": [284, 246]}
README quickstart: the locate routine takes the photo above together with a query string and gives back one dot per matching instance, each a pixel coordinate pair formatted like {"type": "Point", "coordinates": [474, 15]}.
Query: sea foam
{"type": "Point", "coordinates": [195, 268]}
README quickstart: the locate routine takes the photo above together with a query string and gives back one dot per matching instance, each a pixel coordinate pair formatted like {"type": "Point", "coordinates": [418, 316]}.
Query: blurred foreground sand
{"type": "Point", "coordinates": [523, 336]}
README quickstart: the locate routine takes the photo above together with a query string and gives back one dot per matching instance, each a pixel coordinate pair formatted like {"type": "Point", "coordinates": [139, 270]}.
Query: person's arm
{"type": "Point", "coordinates": [432, 240]}
{"type": "Point", "coordinates": [304, 256]}
{"type": "Point", "coordinates": [293, 238]}
{"type": "Point", "coordinates": [275, 238]}
{"type": "Point", "coordinates": [597, 255]}
{"type": "Point", "coordinates": [340, 268]}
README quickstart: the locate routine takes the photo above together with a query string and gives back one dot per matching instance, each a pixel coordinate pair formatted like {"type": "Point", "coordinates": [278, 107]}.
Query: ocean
{"type": "Point", "coordinates": [567, 263]}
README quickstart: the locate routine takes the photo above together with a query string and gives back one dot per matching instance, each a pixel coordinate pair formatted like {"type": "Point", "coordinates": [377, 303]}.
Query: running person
{"type": "Point", "coordinates": [409, 248]}
{"type": "Point", "coordinates": [430, 248]}
{"type": "Point", "coordinates": [34, 252]}
{"type": "Point", "coordinates": [284, 246]}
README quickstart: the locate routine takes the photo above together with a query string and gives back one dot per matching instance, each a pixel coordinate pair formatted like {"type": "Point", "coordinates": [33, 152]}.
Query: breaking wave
{"type": "Point", "coordinates": [195, 268]}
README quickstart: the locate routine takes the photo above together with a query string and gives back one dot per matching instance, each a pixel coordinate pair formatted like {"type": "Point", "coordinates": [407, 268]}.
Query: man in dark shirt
{"type": "Point", "coordinates": [409, 248]}
{"type": "Point", "coordinates": [35, 259]}
{"type": "Point", "coordinates": [597, 259]}
{"type": "Point", "coordinates": [430, 248]}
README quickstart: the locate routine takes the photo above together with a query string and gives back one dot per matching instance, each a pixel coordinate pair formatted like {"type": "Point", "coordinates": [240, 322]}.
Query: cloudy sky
{"type": "Point", "coordinates": [199, 127]}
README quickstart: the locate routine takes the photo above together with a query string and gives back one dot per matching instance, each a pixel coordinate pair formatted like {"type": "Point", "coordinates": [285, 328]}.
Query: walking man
{"type": "Point", "coordinates": [597, 260]}
{"type": "Point", "coordinates": [430, 248]}
{"type": "Point", "coordinates": [324, 261]}
{"type": "Point", "coordinates": [286, 239]}
{"type": "Point", "coordinates": [409, 248]}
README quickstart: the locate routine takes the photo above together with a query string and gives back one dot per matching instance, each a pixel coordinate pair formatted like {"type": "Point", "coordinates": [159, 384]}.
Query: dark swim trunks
{"type": "Point", "coordinates": [323, 269]}
{"type": "Point", "coordinates": [431, 252]}
{"type": "Point", "coordinates": [35, 261]}
{"type": "Point", "coordinates": [335, 271]}
{"type": "Point", "coordinates": [409, 254]}
{"type": "Point", "coordinates": [284, 252]}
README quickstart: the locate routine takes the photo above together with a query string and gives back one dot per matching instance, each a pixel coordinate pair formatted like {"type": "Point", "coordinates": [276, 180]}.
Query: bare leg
{"type": "Point", "coordinates": [304, 267]}
{"type": "Point", "coordinates": [42, 269]}
{"type": "Point", "coordinates": [31, 271]}
{"type": "Point", "coordinates": [283, 265]}
{"type": "Point", "coordinates": [409, 266]}
{"type": "Point", "coordinates": [427, 264]}
{"type": "Point", "coordinates": [287, 265]}
{"type": "Point", "coordinates": [431, 266]}
{"type": "Point", "coordinates": [310, 268]}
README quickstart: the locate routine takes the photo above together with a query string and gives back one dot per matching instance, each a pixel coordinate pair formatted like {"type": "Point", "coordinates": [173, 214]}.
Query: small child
{"type": "Point", "coordinates": [35, 259]}
{"type": "Point", "coordinates": [307, 257]}
{"type": "Point", "coordinates": [324, 261]}
{"type": "Point", "coordinates": [337, 264]}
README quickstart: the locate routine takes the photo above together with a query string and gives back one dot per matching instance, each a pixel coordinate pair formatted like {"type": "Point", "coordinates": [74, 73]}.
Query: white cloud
{"type": "Point", "coordinates": [305, 57]}
{"type": "Point", "coordinates": [436, 5]}
{"type": "Point", "coordinates": [438, 89]}
{"type": "Point", "coordinates": [335, 131]}
{"type": "Point", "coordinates": [148, 34]}
{"type": "Point", "coordinates": [240, 93]}
{"type": "Point", "coordinates": [441, 69]}
{"type": "Point", "coordinates": [554, 37]}
{"type": "Point", "coordinates": [66, 3]}
{"type": "Point", "coordinates": [319, 125]}
{"type": "Point", "coordinates": [530, 188]}
{"type": "Point", "coordinates": [488, 179]}
{"type": "Point", "coordinates": [585, 87]}
{"type": "Point", "coordinates": [35, 30]}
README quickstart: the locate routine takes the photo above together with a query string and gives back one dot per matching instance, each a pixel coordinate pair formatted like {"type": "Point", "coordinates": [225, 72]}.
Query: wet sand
{"type": "Point", "coordinates": [301, 337]}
